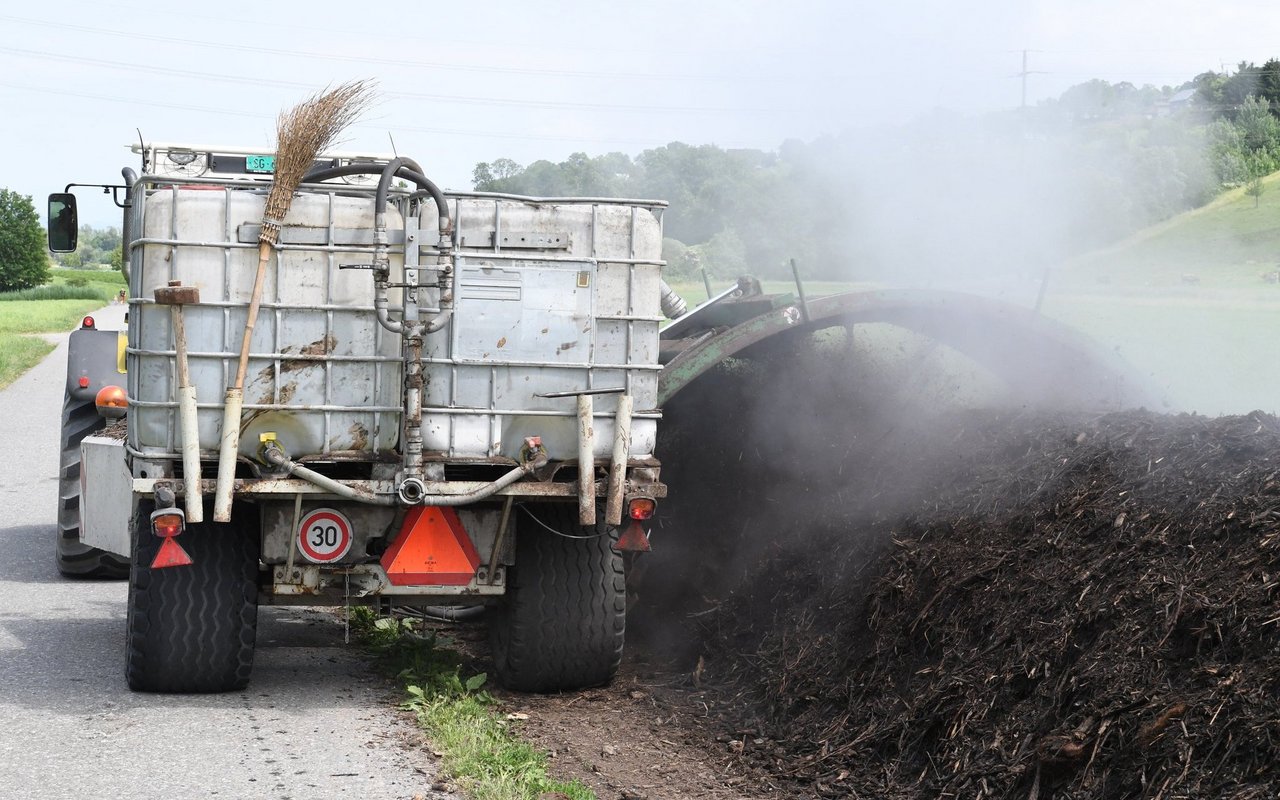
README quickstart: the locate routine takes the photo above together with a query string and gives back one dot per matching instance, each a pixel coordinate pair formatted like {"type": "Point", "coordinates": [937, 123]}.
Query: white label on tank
{"type": "Point", "coordinates": [324, 536]}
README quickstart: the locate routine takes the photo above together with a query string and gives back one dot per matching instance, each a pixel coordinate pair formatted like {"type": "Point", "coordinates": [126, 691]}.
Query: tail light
{"type": "Point", "coordinates": [641, 507]}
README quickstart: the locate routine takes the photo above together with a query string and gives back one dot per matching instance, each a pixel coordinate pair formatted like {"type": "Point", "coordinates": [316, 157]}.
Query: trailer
{"type": "Point", "coordinates": [450, 400]}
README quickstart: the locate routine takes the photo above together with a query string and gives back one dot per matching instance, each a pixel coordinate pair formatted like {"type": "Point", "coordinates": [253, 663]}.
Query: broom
{"type": "Point", "coordinates": [302, 133]}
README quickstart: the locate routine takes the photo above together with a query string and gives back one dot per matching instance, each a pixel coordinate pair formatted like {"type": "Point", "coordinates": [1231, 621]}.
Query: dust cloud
{"type": "Point", "coordinates": [1085, 222]}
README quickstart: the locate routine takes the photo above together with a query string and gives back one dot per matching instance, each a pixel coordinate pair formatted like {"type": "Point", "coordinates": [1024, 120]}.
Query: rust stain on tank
{"type": "Point", "coordinates": [317, 349]}
{"type": "Point", "coordinates": [359, 436]}
{"type": "Point", "coordinates": [502, 342]}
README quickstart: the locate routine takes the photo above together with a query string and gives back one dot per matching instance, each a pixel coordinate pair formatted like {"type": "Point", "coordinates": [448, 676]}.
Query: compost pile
{"type": "Point", "coordinates": [978, 604]}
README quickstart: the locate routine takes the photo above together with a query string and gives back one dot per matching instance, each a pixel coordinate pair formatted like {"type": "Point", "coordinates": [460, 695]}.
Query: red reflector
{"type": "Point", "coordinates": [167, 525]}
{"type": "Point", "coordinates": [634, 539]}
{"type": "Point", "coordinates": [84, 381]}
{"type": "Point", "coordinates": [432, 549]}
{"type": "Point", "coordinates": [170, 554]}
{"type": "Point", "coordinates": [87, 322]}
{"type": "Point", "coordinates": [641, 508]}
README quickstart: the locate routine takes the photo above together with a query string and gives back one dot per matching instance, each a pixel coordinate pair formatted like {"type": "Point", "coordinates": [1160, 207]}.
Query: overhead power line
{"type": "Point", "coordinates": [398, 62]}
{"type": "Point", "coordinates": [487, 134]}
{"type": "Point", "coordinates": [440, 98]}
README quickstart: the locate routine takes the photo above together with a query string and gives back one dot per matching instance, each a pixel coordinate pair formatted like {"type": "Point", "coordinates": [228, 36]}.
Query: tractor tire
{"type": "Point", "coordinates": [193, 628]}
{"type": "Point", "coordinates": [561, 624]}
{"type": "Point", "coordinates": [75, 559]}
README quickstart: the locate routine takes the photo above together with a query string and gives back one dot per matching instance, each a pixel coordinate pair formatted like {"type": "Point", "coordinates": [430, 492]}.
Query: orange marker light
{"type": "Point", "coordinates": [109, 397]}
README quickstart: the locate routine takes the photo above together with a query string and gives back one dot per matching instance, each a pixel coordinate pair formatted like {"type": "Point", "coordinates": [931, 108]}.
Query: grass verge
{"type": "Point", "coordinates": [19, 354]}
{"type": "Point", "coordinates": [44, 316]}
{"type": "Point", "coordinates": [55, 291]}
{"type": "Point", "coordinates": [478, 750]}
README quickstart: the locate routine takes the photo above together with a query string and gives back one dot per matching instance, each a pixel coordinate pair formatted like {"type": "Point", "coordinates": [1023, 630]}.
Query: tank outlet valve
{"type": "Point", "coordinates": [533, 453]}
{"type": "Point", "coordinates": [411, 491]}
{"type": "Point", "coordinates": [270, 451]}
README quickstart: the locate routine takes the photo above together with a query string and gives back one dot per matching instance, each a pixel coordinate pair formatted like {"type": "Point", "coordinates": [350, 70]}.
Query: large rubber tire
{"type": "Point", "coordinates": [193, 628]}
{"type": "Point", "coordinates": [74, 558]}
{"type": "Point", "coordinates": [561, 624]}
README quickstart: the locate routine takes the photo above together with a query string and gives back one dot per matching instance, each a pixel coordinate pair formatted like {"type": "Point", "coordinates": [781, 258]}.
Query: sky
{"type": "Point", "coordinates": [461, 83]}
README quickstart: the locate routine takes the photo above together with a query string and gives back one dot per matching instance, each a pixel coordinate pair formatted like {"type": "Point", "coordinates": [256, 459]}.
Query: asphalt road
{"type": "Point", "coordinates": [314, 723]}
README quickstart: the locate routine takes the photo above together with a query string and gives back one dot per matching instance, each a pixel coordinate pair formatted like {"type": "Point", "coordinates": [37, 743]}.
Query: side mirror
{"type": "Point", "coordinates": [64, 226]}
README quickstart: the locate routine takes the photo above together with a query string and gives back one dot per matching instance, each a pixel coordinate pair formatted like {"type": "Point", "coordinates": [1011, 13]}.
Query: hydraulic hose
{"type": "Point", "coordinates": [409, 171]}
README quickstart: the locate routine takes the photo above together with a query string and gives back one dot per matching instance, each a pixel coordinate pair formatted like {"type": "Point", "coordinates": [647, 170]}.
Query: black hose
{"type": "Point", "coordinates": [407, 171]}
{"type": "Point", "coordinates": [444, 613]}
{"type": "Point", "coordinates": [126, 231]}
{"type": "Point", "coordinates": [384, 185]}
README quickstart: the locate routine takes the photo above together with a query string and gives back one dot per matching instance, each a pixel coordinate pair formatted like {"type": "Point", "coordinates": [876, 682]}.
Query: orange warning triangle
{"type": "Point", "coordinates": [432, 549]}
{"type": "Point", "coordinates": [170, 554]}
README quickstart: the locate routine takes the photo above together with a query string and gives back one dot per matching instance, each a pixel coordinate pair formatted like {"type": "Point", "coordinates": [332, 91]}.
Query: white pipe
{"type": "Point", "coordinates": [277, 457]}
{"type": "Point", "coordinates": [586, 462]}
{"type": "Point", "coordinates": [190, 432]}
{"type": "Point", "coordinates": [618, 469]}
{"type": "Point", "coordinates": [227, 451]}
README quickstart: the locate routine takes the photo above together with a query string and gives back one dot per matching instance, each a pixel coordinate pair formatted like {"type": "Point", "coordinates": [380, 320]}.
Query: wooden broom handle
{"type": "Point", "coordinates": [255, 300]}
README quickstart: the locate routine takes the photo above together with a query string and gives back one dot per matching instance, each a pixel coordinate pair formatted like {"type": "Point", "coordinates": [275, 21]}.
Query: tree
{"type": "Point", "coordinates": [24, 260]}
{"type": "Point", "coordinates": [1254, 189]}
{"type": "Point", "coordinates": [491, 176]}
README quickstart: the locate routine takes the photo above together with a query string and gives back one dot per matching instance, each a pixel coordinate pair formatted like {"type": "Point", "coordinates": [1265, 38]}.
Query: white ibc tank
{"type": "Point", "coordinates": [323, 375]}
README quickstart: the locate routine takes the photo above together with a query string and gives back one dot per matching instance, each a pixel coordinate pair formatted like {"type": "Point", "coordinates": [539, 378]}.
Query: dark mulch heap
{"type": "Point", "coordinates": [982, 605]}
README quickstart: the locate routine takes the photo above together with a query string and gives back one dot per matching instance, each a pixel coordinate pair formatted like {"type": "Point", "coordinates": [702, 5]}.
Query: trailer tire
{"type": "Point", "coordinates": [561, 624]}
{"type": "Point", "coordinates": [75, 559]}
{"type": "Point", "coordinates": [193, 628]}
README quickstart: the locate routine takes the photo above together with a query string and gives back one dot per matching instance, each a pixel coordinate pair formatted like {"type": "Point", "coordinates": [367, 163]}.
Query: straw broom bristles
{"type": "Point", "coordinates": [302, 133]}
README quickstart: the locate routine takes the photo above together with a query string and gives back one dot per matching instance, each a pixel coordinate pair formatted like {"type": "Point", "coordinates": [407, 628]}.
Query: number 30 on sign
{"type": "Point", "coordinates": [324, 536]}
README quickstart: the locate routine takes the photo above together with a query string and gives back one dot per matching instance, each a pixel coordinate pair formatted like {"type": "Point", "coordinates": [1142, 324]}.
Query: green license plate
{"type": "Point", "coordinates": [260, 163]}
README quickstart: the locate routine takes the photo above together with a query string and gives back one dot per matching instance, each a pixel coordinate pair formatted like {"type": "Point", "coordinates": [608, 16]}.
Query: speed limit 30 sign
{"type": "Point", "coordinates": [324, 536]}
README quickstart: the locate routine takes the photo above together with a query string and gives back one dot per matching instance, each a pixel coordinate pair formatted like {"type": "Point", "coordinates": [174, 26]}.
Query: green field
{"type": "Point", "coordinates": [21, 319]}
{"type": "Point", "coordinates": [1189, 304]}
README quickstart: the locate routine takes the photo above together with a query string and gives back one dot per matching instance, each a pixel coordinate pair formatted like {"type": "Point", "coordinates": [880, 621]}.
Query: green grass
{"type": "Point", "coordinates": [479, 750]}
{"type": "Point", "coordinates": [1226, 244]}
{"type": "Point", "coordinates": [19, 319]}
{"type": "Point", "coordinates": [44, 316]}
{"type": "Point", "coordinates": [19, 354]}
{"type": "Point", "coordinates": [107, 277]}
{"type": "Point", "coordinates": [1186, 303]}
{"type": "Point", "coordinates": [56, 291]}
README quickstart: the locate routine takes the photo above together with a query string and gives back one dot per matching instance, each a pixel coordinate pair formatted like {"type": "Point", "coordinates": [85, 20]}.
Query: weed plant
{"type": "Point", "coordinates": [478, 748]}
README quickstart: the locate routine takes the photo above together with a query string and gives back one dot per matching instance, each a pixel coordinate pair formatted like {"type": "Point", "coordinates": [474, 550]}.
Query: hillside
{"type": "Point", "coordinates": [1226, 244]}
{"type": "Point", "coordinates": [1193, 303]}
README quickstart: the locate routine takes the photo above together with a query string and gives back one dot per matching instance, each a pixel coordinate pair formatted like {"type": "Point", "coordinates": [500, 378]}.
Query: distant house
{"type": "Point", "coordinates": [1178, 101]}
